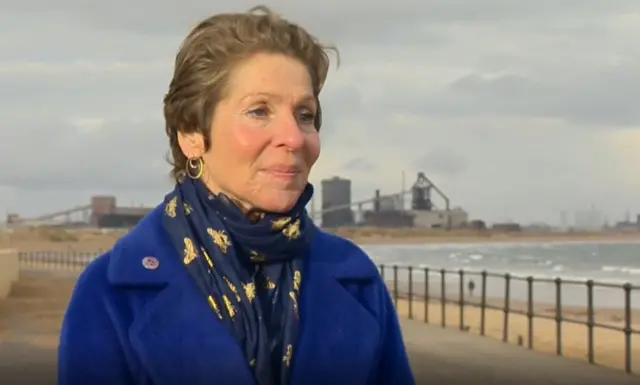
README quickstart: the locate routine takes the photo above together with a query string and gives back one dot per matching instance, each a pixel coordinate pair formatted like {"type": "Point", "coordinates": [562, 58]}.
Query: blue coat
{"type": "Point", "coordinates": [128, 324]}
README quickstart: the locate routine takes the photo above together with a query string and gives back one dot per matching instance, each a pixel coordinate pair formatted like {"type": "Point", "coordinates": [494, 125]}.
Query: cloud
{"type": "Point", "coordinates": [515, 109]}
{"type": "Point", "coordinates": [443, 161]}
{"type": "Point", "coordinates": [90, 153]}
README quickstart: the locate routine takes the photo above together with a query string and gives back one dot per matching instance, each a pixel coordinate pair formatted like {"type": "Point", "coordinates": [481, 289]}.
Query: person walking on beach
{"type": "Point", "coordinates": [471, 286]}
{"type": "Point", "coordinates": [229, 281]}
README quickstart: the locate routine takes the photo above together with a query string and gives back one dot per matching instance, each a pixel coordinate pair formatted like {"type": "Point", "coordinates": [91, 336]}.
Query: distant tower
{"type": "Point", "coordinates": [421, 194]}
{"type": "Point", "coordinates": [336, 192]}
{"type": "Point", "coordinates": [563, 220]}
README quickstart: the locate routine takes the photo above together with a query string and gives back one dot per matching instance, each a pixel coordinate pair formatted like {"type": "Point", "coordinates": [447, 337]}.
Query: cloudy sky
{"type": "Point", "coordinates": [516, 109]}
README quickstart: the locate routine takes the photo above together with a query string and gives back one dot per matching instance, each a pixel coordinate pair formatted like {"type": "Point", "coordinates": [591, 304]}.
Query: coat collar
{"type": "Point", "coordinates": [173, 332]}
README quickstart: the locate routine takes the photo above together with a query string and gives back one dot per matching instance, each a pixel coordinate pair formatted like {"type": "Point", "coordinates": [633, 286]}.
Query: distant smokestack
{"type": "Point", "coordinates": [376, 202]}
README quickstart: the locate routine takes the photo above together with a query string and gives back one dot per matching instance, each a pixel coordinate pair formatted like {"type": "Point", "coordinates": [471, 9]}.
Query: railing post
{"type": "Point", "coordinates": [443, 297]}
{"type": "Point", "coordinates": [483, 303]}
{"type": "Point", "coordinates": [395, 286]}
{"type": "Point", "coordinates": [590, 322]}
{"type": "Point", "coordinates": [410, 269]}
{"type": "Point", "coordinates": [530, 312]}
{"type": "Point", "coordinates": [506, 309]}
{"type": "Point", "coordinates": [627, 327]}
{"type": "Point", "coordinates": [558, 283]}
{"type": "Point", "coordinates": [382, 271]}
{"type": "Point", "coordinates": [426, 295]}
{"type": "Point", "coordinates": [461, 298]}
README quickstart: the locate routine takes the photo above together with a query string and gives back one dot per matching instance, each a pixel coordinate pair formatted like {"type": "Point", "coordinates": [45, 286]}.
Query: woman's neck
{"type": "Point", "coordinates": [215, 189]}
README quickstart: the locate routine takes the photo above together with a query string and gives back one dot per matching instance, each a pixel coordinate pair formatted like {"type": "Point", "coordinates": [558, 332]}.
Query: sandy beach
{"type": "Point", "coordinates": [608, 345]}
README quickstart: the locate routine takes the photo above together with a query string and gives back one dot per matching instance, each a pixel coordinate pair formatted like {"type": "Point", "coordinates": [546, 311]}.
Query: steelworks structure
{"type": "Point", "coordinates": [389, 210]}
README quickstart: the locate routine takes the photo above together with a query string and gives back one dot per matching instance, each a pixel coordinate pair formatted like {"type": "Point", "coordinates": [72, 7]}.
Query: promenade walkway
{"type": "Point", "coordinates": [438, 356]}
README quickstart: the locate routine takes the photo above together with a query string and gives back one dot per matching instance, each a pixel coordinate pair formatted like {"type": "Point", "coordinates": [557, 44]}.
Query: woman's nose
{"type": "Point", "coordinates": [289, 134]}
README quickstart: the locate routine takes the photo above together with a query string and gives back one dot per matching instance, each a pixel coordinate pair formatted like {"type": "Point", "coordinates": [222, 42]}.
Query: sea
{"type": "Point", "coordinates": [611, 262]}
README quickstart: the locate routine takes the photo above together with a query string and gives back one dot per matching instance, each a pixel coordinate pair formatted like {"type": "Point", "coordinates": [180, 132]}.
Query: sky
{"type": "Point", "coordinates": [516, 109]}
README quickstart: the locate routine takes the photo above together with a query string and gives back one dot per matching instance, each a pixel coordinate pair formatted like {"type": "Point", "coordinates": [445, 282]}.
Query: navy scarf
{"type": "Point", "coordinates": [249, 267]}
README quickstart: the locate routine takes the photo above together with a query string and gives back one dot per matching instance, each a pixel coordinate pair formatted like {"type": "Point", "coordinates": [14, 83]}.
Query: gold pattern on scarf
{"type": "Point", "coordinates": [207, 257]}
{"type": "Point", "coordinates": [249, 290]}
{"type": "Point", "coordinates": [190, 252]}
{"type": "Point", "coordinates": [254, 256]}
{"type": "Point", "coordinates": [233, 289]}
{"type": "Point", "coordinates": [288, 355]}
{"type": "Point", "coordinates": [269, 284]}
{"type": "Point", "coordinates": [294, 301]}
{"type": "Point", "coordinates": [231, 310]}
{"type": "Point", "coordinates": [220, 239]}
{"type": "Point", "coordinates": [187, 208]}
{"type": "Point", "coordinates": [215, 307]}
{"type": "Point", "coordinates": [292, 230]}
{"type": "Point", "coordinates": [280, 223]}
{"type": "Point", "coordinates": [297, 280]}
{"type": "Point", "coordinates": [170, 207]}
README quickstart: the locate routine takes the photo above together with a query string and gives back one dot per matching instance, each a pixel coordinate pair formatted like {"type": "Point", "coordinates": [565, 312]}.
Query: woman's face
{"type": "Point", "coordinates": [263, 139]}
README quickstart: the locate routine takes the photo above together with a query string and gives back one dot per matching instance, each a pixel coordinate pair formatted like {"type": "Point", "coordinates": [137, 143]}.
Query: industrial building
{"type": "Point", "coordinates": [426, 214]}
{"type": "Point", "coordinates": [102, 212]}
{"type": "Point", "coordinates": [105, 213]}
{"type": "Point", "coordinates": [390, 210]}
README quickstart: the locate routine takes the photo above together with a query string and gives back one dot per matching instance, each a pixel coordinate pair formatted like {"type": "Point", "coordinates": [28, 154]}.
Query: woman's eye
{"type": "Point", "coordinates": [260, 112]}
{"type": "Point", "coordinates": [306, 117]}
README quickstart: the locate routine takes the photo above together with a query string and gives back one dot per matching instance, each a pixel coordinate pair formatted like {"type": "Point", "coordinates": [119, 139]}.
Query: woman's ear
{"type": "Point", "coordinates": [191, 144]}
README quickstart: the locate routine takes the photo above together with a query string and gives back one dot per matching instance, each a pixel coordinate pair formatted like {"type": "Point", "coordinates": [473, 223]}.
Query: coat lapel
{"type": "Point", "coordinates": [175, 334]}
{"type": "Point", "coordinates": [180, 341]}
{"type": "Point", "coordinates": [339, 337]}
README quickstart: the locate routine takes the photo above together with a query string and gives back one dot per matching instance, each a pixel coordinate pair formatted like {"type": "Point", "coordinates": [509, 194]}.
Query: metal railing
{"type": "Point", "coordinates": [410, 291]}
{"type": "Point", "coordinates": [73, 261]}
{"type": "Point", "coordinates": [403, 286]}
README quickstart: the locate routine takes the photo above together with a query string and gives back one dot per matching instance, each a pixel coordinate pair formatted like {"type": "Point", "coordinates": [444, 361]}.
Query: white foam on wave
{"type": "Point", "coordinates": [621, 269]}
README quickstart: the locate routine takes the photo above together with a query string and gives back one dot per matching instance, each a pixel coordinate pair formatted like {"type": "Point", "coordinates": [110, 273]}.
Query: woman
{"type": "Point", "coordinates": [228, 281]}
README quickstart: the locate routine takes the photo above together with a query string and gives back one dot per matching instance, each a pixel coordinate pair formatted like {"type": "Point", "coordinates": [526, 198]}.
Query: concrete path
{"type": "Point", "coordinates": [22, 363]}
{"type": "Point", "coordinates": [447, 356]}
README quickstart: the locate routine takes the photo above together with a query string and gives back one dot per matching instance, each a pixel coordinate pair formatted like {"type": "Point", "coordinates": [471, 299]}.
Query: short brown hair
{"type": "Point", "coordinates": [209, 53]}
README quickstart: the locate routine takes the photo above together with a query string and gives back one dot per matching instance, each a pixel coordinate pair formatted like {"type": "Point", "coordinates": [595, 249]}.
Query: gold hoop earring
{"type": "Point", "coordinates": [197, 164]}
